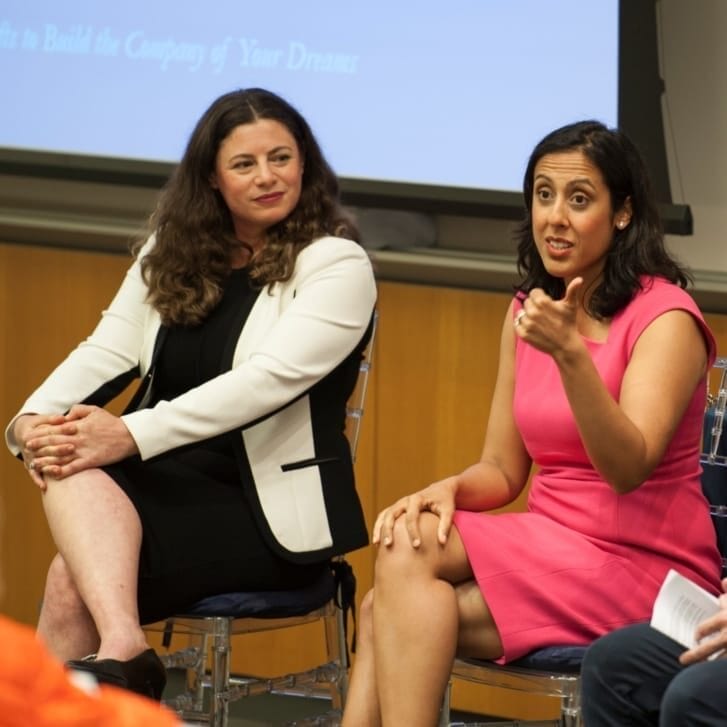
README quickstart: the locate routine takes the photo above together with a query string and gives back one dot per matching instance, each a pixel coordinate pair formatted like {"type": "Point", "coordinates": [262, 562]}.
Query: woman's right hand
{"type": "Point", "coordinates": [30, 426]}
{"type": "Point", "coordinates": [437, 498]}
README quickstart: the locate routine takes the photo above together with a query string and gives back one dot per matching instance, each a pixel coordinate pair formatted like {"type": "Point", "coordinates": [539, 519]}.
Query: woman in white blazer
{"type": "Point", "coordinates": [245, 314]}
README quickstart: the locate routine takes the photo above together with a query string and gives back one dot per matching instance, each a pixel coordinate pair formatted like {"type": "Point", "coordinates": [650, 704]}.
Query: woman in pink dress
{"type": "Point", "coordinates": [601, 386]}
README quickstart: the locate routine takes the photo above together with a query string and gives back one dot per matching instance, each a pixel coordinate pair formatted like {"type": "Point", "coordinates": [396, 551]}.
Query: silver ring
{"type": "Point", "coordinates": [519, 317]}
{"type": "Point", "coordinates": [31, 466]}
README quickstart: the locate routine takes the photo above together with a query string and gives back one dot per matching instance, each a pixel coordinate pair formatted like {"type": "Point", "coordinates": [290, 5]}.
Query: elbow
{"type": "Point", "coordinates": [624, 486]}
{"type": "Point", "coordinates": [629, 472]}
{"type": "Point", "coordinates": [624, 482]}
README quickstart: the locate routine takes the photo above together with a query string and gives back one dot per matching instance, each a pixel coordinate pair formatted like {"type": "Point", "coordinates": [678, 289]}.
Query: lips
{"type": "Point", "coordinates": [271, 198]}
{"type": "Point", "coordinates": [557, 243]}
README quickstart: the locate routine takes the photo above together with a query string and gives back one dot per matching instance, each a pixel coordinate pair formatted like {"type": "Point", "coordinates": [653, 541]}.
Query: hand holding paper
{"type": "Point", "coordinates": [691, 616]}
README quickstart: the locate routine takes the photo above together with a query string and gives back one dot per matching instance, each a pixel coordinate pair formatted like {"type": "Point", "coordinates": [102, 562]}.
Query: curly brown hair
{"type": "Point", "coordinates": [186, 268]}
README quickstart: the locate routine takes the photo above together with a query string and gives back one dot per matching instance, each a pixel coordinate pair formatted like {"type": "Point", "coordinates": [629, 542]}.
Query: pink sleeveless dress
{"type": "Point", "coordinates": [583, 560]}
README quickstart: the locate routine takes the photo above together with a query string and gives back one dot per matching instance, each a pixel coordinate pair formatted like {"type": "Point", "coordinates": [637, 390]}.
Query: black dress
{"type": "Point", "coordinates": [199, 536]}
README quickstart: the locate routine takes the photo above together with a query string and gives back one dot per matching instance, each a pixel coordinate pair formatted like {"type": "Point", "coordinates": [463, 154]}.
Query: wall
{"type": "Point", "coordinates": [694, 68]}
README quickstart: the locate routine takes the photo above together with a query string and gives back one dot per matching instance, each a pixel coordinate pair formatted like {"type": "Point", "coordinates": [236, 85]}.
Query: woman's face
{"type": "Point", "coordinates": [573, 224]}
{"type": "Point", "coordinates": [259, 174]}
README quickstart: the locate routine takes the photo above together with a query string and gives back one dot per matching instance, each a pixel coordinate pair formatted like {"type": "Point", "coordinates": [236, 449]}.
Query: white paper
{"type": "Point", "coordinates": [680, 607]}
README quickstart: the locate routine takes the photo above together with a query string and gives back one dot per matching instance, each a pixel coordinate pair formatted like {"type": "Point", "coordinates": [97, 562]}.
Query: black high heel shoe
{"type": "Point", "coordinates": [144, 674]}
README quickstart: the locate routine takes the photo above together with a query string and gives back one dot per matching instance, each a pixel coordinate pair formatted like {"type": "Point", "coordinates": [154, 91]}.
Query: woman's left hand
{"type": "Point", "coordinates": [97, 438]}
{"type": "Point", "coordinates": [438, 498]}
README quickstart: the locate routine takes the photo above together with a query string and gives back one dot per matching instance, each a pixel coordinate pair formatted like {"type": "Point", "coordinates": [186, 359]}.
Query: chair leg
{"type": "Point", "coordinates": [446, 706]}
{"type": "Point", "coordinates": [195, 675]}
{"type": "Point", "coordinates": [337, 654]}
{"type": "Point", "coordinates": [571, 708]}
{"type": "Point", "coordinates": [220, 674]}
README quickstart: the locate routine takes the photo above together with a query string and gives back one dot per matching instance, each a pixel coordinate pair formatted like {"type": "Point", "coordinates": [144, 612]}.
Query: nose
{"type": "Point", "coordinates": [558, 213]}
{"type": "Point", "coordinates": [264, 174]}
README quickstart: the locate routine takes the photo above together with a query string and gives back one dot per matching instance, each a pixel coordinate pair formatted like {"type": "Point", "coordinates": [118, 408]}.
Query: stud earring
{"type": "Point", "coordinates": [621, 224]}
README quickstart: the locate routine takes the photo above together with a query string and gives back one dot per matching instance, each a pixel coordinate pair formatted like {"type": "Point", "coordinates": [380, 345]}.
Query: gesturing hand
{"type": "Point", "coordinates": [438, 498]}
{"type": "Point", "coordinates": [549, 324]}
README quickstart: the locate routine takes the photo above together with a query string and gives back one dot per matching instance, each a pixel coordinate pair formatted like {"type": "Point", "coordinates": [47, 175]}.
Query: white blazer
{"type": "Point", "coordinates": [298, 333]}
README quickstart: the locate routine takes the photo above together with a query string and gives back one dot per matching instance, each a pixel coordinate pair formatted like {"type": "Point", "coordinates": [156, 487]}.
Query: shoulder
{"type": "Point", "coordinates": [339, 266]}
{"type": "Point", "coordinates": [147, 246]}
{"type": "Point", "coordinates": [656, 297]}
{"type": "Point", "coordinates": [335, 253]}
{"type": "Point", "coordinates": [332, 248]}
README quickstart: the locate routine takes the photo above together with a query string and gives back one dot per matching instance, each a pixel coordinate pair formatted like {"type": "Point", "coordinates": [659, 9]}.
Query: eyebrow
{"type": "Point", "coordinates": [571, 183]}
{"type": "Point", "coordinates": [282, 147]}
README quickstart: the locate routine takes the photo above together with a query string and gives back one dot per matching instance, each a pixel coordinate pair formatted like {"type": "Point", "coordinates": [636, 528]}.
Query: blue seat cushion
{"type": "Point", "coordinates": [566, 659]}
{"type": "Point", "coordinates": [268, 604]}
{"type": "Point", "coordinates": [561, 659]}
{"type": "Point", "coordinates": [283, 604]}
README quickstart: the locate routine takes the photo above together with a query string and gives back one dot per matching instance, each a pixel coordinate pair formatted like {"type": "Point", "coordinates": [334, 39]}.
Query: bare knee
{"type": "Point", "coordinates": [402, 560]}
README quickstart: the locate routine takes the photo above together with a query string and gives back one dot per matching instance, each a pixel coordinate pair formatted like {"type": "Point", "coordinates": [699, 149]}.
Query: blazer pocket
{"type": "Point", "coordinates": [312, 462]}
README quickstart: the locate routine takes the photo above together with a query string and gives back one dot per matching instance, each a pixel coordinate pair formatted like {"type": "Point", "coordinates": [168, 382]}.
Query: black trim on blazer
{"type": "Point", "coordinates": [109, 389]}
{"type": "Point", "coordinates": [310, 462]}
{"type": "Point", "coordinates": [144, 391]}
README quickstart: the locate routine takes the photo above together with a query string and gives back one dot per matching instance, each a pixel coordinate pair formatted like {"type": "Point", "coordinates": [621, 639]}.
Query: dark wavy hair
{"type": "Point", "coordinates": [186, 268]}
{"type": "Point", "coordinates": [636, 250]}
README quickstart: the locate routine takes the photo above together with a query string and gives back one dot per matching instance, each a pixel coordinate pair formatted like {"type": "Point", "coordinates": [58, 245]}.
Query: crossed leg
{"type": "Point", "coordinates": [423, 609]}
{"type": "Point", "coordinates": [90, 601]}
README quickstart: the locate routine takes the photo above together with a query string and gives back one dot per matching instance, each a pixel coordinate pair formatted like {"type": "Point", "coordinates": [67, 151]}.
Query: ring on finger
{"type": "Point", "coordinates": [519, 317]}
{"type": "Point", "coordinates": [31, 466]}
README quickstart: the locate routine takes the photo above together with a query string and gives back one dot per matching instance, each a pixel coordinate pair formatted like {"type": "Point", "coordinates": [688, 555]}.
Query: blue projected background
{"type": "Point", "coordinates": [453, 93]}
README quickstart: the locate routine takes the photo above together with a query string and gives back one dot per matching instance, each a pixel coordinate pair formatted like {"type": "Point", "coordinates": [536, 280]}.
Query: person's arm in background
{"type": "Point", "coordinates": [711, 634]}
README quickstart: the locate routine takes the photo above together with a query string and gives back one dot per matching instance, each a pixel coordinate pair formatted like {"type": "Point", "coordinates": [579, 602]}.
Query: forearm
{"type": "Point", "coordinates": [484, 486]}
{"type": "Point", "coordinates": [614, 444]}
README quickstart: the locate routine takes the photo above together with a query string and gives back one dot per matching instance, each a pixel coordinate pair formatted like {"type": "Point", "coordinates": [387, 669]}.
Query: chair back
{"type": "Point", "coordinates": [714, 455]}
{"type": "Point", "coordinates": [355, 406]}
{"type": "Point", "coordinates": [714, 451]}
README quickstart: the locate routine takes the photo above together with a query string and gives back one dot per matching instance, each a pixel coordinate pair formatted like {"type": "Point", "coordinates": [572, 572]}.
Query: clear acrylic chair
{"type": "Point", "coordinates": [554, 671]}
{"type": "Point", "coordinates": [209, 626]}
{"type": "Point", "coordinates": [714, 455]}
{"type": "Point", "coordinates": [550, 672]}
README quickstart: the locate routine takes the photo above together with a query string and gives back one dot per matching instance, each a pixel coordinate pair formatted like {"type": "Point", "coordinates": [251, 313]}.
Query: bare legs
{"type": "Point", "coordinates": [90, 598]}
{"type": "Point", "coordinates": [65, 624]}
{"type": "Point", "coordinates": [362, 701]}
{"type": "Point", "coordinates": [410, 633]}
